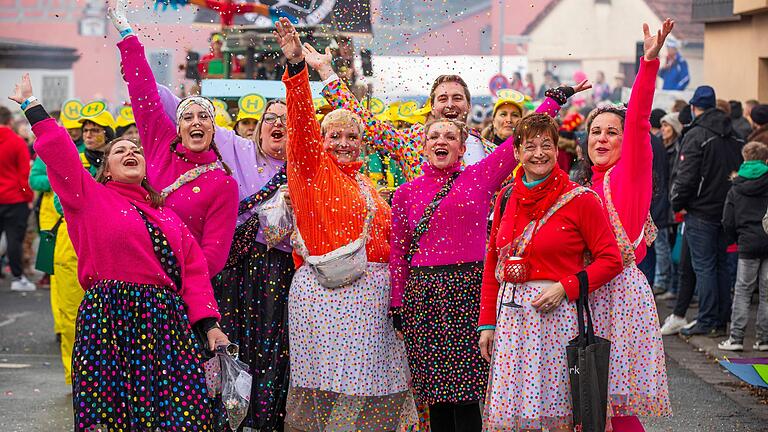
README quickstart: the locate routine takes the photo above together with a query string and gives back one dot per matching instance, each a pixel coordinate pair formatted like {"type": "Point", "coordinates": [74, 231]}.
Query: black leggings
{"type": "Point", "coordinates": [455, 417]}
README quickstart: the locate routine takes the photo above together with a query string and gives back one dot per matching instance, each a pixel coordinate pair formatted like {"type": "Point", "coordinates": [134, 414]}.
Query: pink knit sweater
{"type": "Point", "coordinates": [109, 236]}
{"type": "Point", "coordinates": [631, 178]}
{"type": "Point", "coordinates": [208, 204]}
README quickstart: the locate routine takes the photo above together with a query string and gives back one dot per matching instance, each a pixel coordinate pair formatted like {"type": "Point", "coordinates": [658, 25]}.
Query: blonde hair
{"type": "Point", "coordinates": [459, 125]}
{"type": "Point", "coordinates": [156, 200]}
{"type": "Point", "coordinates": [341, 117]}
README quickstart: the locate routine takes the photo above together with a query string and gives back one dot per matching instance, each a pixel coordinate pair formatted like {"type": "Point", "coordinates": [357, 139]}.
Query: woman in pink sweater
{"type": "Point", "coordinates": [182, 162]}
{"type": "Point", "coordinates": [620, 158]}
{"type": "Point", "coordinates": [135, 362]}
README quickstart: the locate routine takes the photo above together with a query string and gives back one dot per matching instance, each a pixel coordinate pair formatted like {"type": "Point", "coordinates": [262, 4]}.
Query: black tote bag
{"type": "Point", "coordinates": [588, 359]}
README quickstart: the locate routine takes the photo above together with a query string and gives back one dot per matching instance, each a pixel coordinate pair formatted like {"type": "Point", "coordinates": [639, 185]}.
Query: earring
{"type": "Point", "coordinates": [109, 178]}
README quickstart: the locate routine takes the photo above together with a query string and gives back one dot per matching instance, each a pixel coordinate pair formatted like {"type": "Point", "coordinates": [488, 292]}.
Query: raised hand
{"type": "Point", "coordinates": [119, 15]}
{"type": "Point", "coordinates": [652, 43]}
{"type": "Point", "coordinates": [289, 41]}
{"type": "Point", "coordinates": [23, 90]}
{"type": "Point", "coordinates": [320, 62]}
{"type": "Point", "coordinates": [584, 85]}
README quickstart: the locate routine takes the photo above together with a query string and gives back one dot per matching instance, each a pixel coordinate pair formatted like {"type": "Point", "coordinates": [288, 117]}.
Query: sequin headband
{"type": "Point", "coordinates": [194, 100]}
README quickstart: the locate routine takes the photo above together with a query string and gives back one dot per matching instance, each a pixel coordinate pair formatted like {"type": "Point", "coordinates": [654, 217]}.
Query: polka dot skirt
{"type": "Point", "coordinates": [135, 364]}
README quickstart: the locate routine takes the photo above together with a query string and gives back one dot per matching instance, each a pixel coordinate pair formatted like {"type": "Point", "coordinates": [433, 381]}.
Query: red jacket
{"type": "Point", "coordinates": [14, 166]}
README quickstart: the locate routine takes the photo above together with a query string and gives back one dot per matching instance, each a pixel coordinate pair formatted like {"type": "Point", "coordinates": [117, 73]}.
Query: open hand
{"type": "Point", "coordinates": [289, 41]}
{"type": "Point", "coordinates": [652, 43]}
{"type": "Point", "coordinates": [22, 90]}
{"type": "Point", "coordinates": [319, 61]}
{"type": "Point", "coordinates": [584, 85]}
{"type": "Point", "coordinates": [550, 298]}
{"type": "Point", "coordinates": [119, 15]}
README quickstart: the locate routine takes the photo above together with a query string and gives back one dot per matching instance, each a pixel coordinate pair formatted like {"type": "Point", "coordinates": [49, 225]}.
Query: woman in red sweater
{"type": "Point", "coordinates": [551, 223]}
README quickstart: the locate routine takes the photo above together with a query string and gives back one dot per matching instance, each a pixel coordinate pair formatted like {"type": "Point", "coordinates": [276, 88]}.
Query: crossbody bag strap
{"type": "Point", "coordinates": [189, 176]}
{"type": "Point", "coordinates": [423, 225]}
{"type": "Point", "coordinates": [55, 227]}
{"type": "Point", "coordinates": [370, 204]}
{"type": "Point", "coordinates": [263, 194]}
{"type": "Point", "coordinates": [163, 250]}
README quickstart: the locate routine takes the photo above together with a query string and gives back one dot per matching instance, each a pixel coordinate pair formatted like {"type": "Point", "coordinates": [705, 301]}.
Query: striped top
{"type": "Point", "coordinates": [329, 207]}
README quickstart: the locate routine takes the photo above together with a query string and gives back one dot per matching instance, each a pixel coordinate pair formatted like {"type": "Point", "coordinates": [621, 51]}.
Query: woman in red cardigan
{"type": "Point", "coordinates": [551, 223]}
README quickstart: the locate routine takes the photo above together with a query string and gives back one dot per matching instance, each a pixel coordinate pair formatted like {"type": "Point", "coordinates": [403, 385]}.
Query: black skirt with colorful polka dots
{"type": "Point", "coordinates": [135, 364]}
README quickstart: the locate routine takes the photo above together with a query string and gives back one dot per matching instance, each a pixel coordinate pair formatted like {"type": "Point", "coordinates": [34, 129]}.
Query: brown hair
{"type": "Point", "coordinates": [444, 79]}
{"type": "Point", "coordinates": [536, 124]}
{"type": "Point", "coordinates": [755, 150]}
{"type": "Point", "coordinates": [618, 110]}
{"type": "Point", "coordinates": [462, 127]}
{"type": "Point", "coordinates": [155, 199]}
{"type": "Point", "coordinates": [212, 146]}
{"type": "Point", "coordinates": [723, 106]}
{"type": "Point", "coordinates": [260, 124]}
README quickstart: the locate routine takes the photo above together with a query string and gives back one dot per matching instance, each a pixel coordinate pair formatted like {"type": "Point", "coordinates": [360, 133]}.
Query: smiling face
{"type": "Point", "coordinates": [125, 162]}
{"type": "Point", "coordinates": [273, 135]}
{"type": "Point", "coordinates": [444, 145]}
{"type": "Point", "coordinates": [506, 118]}
{"type": "Point", "coordinates": [538, 156]}
{"type": "Point", "coordinates": [245, 127]}
{"type": "Point", "coordinates": [450, 101]}
{"type": "Point", "coordinates": [196, 128]}
{"type": "Point", "coordinates": [94, 136]}
{"type": "Point", "coordinates": [606, 134]}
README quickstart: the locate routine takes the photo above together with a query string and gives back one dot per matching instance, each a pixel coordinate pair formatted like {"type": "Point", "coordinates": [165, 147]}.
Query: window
{"type": "Point", "coordinates": [160, 62]}
{"type": "Point", "coordinates": [55, 90]}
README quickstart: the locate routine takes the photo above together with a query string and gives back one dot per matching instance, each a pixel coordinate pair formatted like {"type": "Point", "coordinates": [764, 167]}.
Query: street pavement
{"type": "Point", "coordinates": [33, 396]}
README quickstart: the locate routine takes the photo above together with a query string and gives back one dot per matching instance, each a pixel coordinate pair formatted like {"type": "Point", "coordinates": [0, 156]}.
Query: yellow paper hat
{"type": "Point", "coordinates": [410, 112]}
{"type": "Point", "coordinates": [511, 97]}
{"type": "Point", "coordinates": [125, 117]}
{"type": "Point", "coordinates": [426, 109]}
{"type": "Point", "coordinates": [221, 116]}
{"type": "Point", "coordinates": [70, 114]}
{"type": "Point", "coordinates": [96, 112]}
{"type": "Point", "coordinates": [250, 106]}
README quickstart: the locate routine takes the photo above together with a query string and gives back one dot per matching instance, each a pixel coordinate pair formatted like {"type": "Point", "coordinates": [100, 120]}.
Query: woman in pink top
{"type": "Point", "coordinates": [620, 159]}
{"type": "Point", "coordinates": [135, 362]}
{"type": "Point", "coordinates": [182, 162]}
{"type": "Point", "coordinates": [439, 228]}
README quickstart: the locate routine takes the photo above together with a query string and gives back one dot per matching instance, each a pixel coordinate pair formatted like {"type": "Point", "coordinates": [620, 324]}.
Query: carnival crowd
{"type": "Point", "coordinates": [382, 278]}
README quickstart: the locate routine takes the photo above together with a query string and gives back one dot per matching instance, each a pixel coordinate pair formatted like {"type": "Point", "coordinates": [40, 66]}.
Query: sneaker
{"type": "Point", "coordinates": [672, 325]}
{"type": "Point", "coordinates": [731, 344]}
{"type": "Point", "coordinates": [691, 324]}
{"type": "Point", "coordinates": [22, 284]}
{"type": "Point", "coordinates": [668, 295]}
{"type": "Point", "coordinates": [760, 346]}
{"type": "Point", "coordinates": [697, 330]}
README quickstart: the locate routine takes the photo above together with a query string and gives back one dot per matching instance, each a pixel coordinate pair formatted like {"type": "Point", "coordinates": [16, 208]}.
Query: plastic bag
{"type": "Point", "coordinates": [276, 219]}
{"type": "Point", "coordinates": [235, 389]}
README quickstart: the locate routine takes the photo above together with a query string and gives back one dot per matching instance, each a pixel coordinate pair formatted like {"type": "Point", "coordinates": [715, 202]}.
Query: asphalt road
{"type": "Point", "coordinates": [33, 396]}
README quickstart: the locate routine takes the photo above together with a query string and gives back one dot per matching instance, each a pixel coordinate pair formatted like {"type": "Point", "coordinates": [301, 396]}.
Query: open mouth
{"type": "Point", "coordinates": [343, 154]}
{"type": "Point", "coordinates": [450, 114]}
{"type": "Point", "coordinates": [441, 152]}
{"type": "Point", "coordinates": [131, 162]}
{"type": "Point", "coordinates": [197, 134]}
{"type": "Point", "coordinates": [601, 150]}
{"type": "Point", "coordinates": [277, 134]}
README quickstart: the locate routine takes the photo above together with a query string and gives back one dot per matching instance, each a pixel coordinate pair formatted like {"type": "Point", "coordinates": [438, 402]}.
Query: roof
{"type": "Point", "coordinates": [15, 53]}
{"type": "Point", "coordinates": [679, 10]}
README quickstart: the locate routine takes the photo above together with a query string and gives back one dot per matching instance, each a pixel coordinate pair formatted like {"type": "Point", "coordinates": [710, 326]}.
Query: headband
{"type": "Point", "coordinates": [196, 100]}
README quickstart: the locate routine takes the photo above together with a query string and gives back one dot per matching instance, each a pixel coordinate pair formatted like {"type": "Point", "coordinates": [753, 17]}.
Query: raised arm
{"type": "Point", "coordinates": [156, 129]}
{"type": "Point", "coordinates": [400, 242]}
{"type": "Point", "coordinates": [54, 146]}
{"type": "Point", "coordinates": [404, 146]}
{"type": "Point", "coordinates": [634, 169]}
{"type": "Point", "coordinates": [305, 151]}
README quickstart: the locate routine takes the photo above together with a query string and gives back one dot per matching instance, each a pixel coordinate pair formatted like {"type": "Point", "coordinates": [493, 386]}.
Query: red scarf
{"type": "Point", "coordinates": [534, 202]}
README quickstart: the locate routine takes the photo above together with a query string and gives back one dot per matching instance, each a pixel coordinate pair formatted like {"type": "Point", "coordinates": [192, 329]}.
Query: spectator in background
{"type": "Point", "coordinates": [618, 87]}
{"type": "Point", "coordinates": [709, 153]}
{"type": "Point", "coordinates": [530, 87]}
{"type": "Point", "coordinates": [748, 105]}
{"type": "Point", "coordinates": [15, 198]}
{"type": "Point", "coordinates": [740, 124]}
{"type": "Point", "coordinates": [656, 116]}
{"type": "Point", "coordinates": [742, 218]}
{"type": "Point", "coordinates": [664, 285]}
{"type": "Point", "coordinates": [760, 121]}
{"type": "Point", "coordinates": [660, 208]}
{"type": "Point", "coordinates": [517, 82]}
{"type": "Point", "coordinates": [217, 42]}
{"type": "Point", "coordinates": [724, 106]}
{"type": "Point", "coordinates": [679, 105]}
{"type": "Point", "coordinates": [550, 81]}
{"type": "Point", "coordinates": [600, 89]}
{"type": "Point", "coordinates": [675, 71]}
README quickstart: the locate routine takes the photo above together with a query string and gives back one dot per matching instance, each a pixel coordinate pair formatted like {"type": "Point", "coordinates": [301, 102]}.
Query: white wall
{"type": "Point", "coordinates": [9, 78]}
